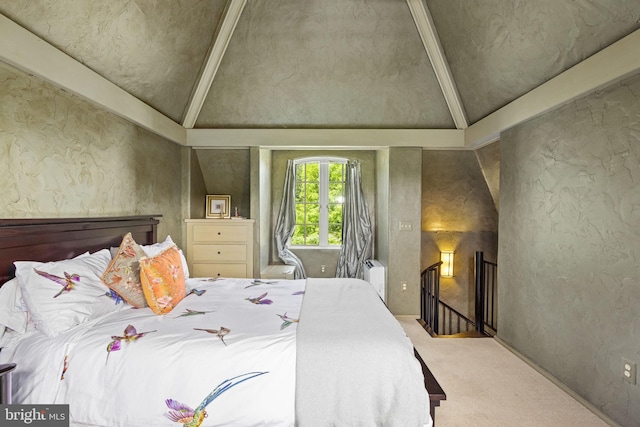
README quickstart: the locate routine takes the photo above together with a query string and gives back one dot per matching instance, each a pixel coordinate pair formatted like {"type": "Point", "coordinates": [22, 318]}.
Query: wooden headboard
{"type": "Point", "coordinates": [55, 239]}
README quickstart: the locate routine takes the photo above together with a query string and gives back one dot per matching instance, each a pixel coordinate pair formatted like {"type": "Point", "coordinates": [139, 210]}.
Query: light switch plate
{"type": "Point", "coordinates": [406, 226]}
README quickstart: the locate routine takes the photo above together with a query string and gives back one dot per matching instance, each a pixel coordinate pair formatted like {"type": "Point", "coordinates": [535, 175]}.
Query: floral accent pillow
{"type": "Point", "coordinates": [123, 273]}
{"type": "Point", "coordinates": [156, 248]}
{"type": "Point", "coordinates": [162, 278]}
{"type": "Point", "coordinates": [62, 294]}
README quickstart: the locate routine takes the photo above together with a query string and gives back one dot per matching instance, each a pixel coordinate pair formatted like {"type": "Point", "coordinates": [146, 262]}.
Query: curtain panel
{"type": "Point", "coordinates": [285, 226]}
{"type": "Point", "coordinates": [357, 237]}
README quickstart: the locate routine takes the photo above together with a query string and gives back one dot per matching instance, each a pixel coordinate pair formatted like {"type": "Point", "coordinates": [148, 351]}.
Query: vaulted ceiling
{"type": "Point", "coordinates": [327, 64]}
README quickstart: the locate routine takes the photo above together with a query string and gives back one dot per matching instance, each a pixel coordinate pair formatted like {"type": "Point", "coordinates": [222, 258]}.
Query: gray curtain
{"type": "Point", "coordinates": [357, 241]}
{"type": "Point", "coordinates": [285, 225]}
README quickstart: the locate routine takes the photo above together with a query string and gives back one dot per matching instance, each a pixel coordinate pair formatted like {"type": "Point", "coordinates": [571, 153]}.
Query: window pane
{"type": "Point", "coordinates": [300, 196]}
{"type": "Point", "coordinates": [335, 214]}
{"type": "Point", "coordinates": [300, 172]}
{"type": "Point", "coordinates": [298, 235]}
{"type": "Point", "coordinates": [313, 192]}
{"type": "Point", "coordinates": [312, 172]}
{"type": "Point", "coordinates": [335, 234]}
{"type": "Point", "coordinates": [299, 213]}
{"type": "Point", "coordinates": [336, 172]}
{"type": "Point", "coordinates": [336, 194]}
{"type": "Point", "coordinates": [312, 235]}
{"type": "Point", "coordinates": [313, 214]}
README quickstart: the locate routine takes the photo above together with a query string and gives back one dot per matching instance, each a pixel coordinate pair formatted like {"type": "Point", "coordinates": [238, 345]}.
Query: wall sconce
{"type": "Point", "coordinates": [446, 269]}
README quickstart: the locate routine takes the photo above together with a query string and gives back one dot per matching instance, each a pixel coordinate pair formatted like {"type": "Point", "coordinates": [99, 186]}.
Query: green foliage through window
{"type": "Point", "coordinates": [319, 199]}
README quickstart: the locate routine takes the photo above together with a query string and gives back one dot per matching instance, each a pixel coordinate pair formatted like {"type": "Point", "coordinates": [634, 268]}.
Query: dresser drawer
{"type": "Point", "coordinates": [220, 247]}
{"type": "Point", "coordinates": [219, 253]}
{"type": "Point", "coordinates": [218, 270]}
{"type": "Point", "coordinates": [213, 233]}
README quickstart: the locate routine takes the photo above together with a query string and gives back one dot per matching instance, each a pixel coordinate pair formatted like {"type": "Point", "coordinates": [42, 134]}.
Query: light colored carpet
{"type": "Point", "coordinates": [487, 385]}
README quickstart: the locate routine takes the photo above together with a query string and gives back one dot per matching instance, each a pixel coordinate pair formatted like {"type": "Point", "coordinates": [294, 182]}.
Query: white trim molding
{"type": "Point", "coordinates": [431, 41]}
{"type": "Point", "coordinates": [611, 64]}
{"type": "Point", "coordinates": [288, 139]}
{"type": "Point", "coordinates": [225, 29]}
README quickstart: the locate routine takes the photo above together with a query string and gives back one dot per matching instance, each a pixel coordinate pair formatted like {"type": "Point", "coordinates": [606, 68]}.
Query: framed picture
{"type": "Point", "coordinates": [218, 206]}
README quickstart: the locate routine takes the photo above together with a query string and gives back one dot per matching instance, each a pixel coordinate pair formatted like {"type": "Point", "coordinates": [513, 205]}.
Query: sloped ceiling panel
{"type": "Point", "coordinates": [499, 50]}
{"type": "Point", "coordinates": [325, 64]}
{"type": "Point", "coordinates": [151, 49]}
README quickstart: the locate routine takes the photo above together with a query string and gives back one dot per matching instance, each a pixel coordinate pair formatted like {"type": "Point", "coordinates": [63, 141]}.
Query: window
{"type": "Point", "coordinates": [319, 198]}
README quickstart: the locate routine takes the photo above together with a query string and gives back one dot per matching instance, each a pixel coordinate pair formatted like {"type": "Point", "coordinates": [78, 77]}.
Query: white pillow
{"type": "Point", "coordinates": [13, 312]}
{"type": "Point", "coordinates": [54, 309]}
{"type": "Point", "coordinates": [156, 248]}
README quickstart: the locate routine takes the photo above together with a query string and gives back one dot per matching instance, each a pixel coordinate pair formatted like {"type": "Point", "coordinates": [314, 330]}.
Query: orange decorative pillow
{"type": "Point", "coordinates": [162, 278]}
{"type": "Point", "coordinates": [123, 273]}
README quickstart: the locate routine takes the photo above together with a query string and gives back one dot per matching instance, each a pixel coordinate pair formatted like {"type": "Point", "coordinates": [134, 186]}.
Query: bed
{"type": "Point", "coordinates": [229, 352]}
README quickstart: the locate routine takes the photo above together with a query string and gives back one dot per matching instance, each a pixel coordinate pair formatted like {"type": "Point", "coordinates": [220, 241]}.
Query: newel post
{"type": "Point", "coordinates": [480, 292]}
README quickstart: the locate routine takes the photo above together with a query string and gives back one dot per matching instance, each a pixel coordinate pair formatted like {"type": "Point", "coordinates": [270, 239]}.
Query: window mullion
{"type": "Point", "coordinates": [324, 203]}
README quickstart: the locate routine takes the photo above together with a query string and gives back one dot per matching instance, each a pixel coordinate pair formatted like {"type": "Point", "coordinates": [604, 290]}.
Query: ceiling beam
{"type": "Point", "coordinates": [25, 51]}
{"type": "Point", "coordinates": [221, 39]}
{"type": "Point", "coordinates": [355, 139]}
{"type": "Point", "coordinates": [431, 41]}
{"type": "Point", "coordinates": [611, 64]}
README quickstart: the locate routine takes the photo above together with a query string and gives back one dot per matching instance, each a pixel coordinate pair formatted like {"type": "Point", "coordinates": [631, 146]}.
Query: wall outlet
{"type": "Point", "coordinates": [629, 370]}
{"type": "Point", "coordinates": [404, 285]}
{"type": "Point", "coordinates": [323, 268]}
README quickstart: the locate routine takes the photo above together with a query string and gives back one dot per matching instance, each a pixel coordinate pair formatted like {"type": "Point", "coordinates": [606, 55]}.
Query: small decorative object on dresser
{"type": "Point", "coordinates": [218, 206]}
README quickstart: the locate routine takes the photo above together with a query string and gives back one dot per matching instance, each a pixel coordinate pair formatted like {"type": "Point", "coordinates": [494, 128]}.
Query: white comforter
{"type": "Point", "coordinates": [354, 360]}
{"type": "Point", "coordinates": [172, 360]}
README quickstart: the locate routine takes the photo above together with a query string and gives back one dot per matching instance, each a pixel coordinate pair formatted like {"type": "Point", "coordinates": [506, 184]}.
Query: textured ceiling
{"type": "Point", "coordinates": [151, 49]}
{"type": "Point", "coordinates": [499, 50]}
{"type": "Point", "coordinates": [327, 63]}
{"type": "Point", "coordinates": [346, 64]}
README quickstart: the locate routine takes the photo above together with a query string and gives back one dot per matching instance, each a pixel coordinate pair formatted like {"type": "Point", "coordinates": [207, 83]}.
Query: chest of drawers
{"type": "Point", "coordinates": [220, 248]}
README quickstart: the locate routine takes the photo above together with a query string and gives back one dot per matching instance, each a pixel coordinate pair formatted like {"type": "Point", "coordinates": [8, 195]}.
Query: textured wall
{"type": "Point", "coordinates": [197, 187]}
{"type": "Point", "coordinates": [569, 249]}
{"type": "Point", "coordinates": [227, 172]}
{"type": "Point", "coordinates": [499, 50]}
{"type": "Point", "coordinates": [489, 160]}
{"type": "Point", "coordinates": [455, 196]}
{"type": "Point", "coordinates": [405, 166]}
{"type": "Point", "coordinates": [325, 63]}
{"type": "Point", "coordinates": [60, 156]}
{"type": "Point", "coordinates": [458, 215]}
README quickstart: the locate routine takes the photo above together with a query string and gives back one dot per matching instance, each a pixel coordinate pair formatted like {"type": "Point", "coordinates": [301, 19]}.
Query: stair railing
{"type": "Point", "coordinates": [430, 297]}
{"type": "Point", "coordinates": [486, 273]}
{"type": "Point", "coordinates": [453, 322]}
{"type": "Point", "coordinates": [439, 318]}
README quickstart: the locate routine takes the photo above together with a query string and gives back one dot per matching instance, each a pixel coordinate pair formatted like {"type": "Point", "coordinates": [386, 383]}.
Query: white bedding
{"type": "Point", "coordinates": [129, 387]}
{"type": "Point", "coordinates": [371, 377]}
{"type": "Point", "coordinates": [173, 359]}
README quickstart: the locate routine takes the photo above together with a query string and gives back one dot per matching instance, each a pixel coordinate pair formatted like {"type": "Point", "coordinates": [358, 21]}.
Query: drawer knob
{"type": "Point", "coordinates": [218, 252]}
{"type": "Point", "coordinates": [219, 233]}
